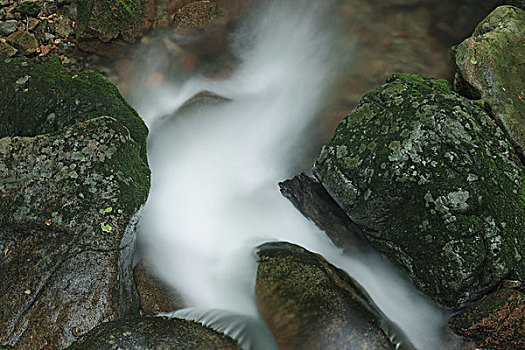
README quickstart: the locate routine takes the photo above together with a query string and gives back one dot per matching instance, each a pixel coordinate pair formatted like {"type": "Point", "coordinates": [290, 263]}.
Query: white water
{"type": "Point", "coordinates": [214, 190]}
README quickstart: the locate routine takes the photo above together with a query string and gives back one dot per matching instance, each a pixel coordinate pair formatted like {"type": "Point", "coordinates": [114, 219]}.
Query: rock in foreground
{"type": "Point", "coordinates": [433, 184]}
{"type": "Point", "coordinates": [310, 304]}
{"type": "Point", "coordinates": [71, 189]}
{"type": "Point", "coordinates": [153, 333]}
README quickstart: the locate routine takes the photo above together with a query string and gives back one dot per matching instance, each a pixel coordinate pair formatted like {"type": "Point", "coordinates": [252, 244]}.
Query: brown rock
{"type": "Point", "coordinates": [155, 295]}
{"type": "Point", "coordinates": [7, 49]}
{"type": "Point", "coordinates": [25, 42]}
{"type": "Point", "coordinates": [496, 321]}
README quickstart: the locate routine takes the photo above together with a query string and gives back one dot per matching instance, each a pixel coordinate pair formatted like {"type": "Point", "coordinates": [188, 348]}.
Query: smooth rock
{"type": "Point", "coordinates": [154, 333]}
{"type": "Point", "coordinates": [489, 66]}
{"type": "Point", "coordinates": [309, 304]}
{"type": "Point", "coordinates": [433, 184]}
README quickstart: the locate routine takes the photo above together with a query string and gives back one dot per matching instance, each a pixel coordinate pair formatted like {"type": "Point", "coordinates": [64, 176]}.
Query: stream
{"type": "Point", "coordinates": [215, 170]}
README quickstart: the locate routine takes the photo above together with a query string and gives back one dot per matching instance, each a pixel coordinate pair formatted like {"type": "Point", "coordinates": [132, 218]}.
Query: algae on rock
{"type": "Point", "coordinates": [433, 184]}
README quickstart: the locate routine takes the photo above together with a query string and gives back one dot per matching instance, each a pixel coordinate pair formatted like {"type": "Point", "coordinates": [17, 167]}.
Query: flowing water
{"type": "Point", "coordinates": [215, 170]}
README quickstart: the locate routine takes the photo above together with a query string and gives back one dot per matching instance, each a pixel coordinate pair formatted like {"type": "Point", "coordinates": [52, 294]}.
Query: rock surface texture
{"type": "Point", "coordinates": [154, 333]}
{"type": "Point", "coordinates": [434, 185]}
{"type": "Point", "coordinates": [490, 66]}
{"type": "Point", "coordinates": [310, 304]}
{"type": "Point", "coordinates": [73, 176]}
{"type": "Point", "coordinates": [496, 322]}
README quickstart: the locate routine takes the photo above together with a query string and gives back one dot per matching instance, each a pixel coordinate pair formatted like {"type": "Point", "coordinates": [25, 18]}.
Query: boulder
{"type": "Point", "coordinates": [433, 184]}
{"type": "Point", "coordinates": [310, 304]}
{"type": "Point", "coordinates": [489, 66]}
{"type": "Point", "coordinates": [106, 27]}
{"type": "Point", "coordinates": [153, 333]}
{"type": "Point", "coordinates": [71, 192]}
{"type": "Point", "coordinates": [496, 321]}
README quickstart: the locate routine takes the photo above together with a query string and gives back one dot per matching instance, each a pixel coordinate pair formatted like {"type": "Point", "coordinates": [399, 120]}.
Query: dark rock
{"type": "Point", "coordinates": [8, 27]}
{"type": "Point", "coordinates": [489, 66]}
{"type": "Point", "coordinates": [155, 295]}
{"type": "Point", "coordinates": [153, 333]}
{"type": "Point", "coordinates": [310, 304]}
{"type": "Point", "coordinates": [29, 8]}
{"type": "Point", "coordinates": [71, 190]}
{"type": "Point", "coordinates": [25, 42]}
{"type": "Point", "coordinates": [495, 322]}
{"type": "Point", "coordinates": [314, 202]}
{"type": "Point", "coordinates": [433, 184]}
{"type": "Point", "coordinates": [70, 98]}
{"type": "Point", "coordinates": [516, 3]}
{"type": "Point", "coordinates": [106, 27]}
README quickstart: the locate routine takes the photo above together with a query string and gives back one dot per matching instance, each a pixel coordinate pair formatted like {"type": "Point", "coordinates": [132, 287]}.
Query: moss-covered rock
{"type": "Point", "coordinates": [105, 25]}
{"type": "Point", "coordinates": [310, 304]}
{"type": "Point", "coordinates": [496, 322]}
{"type": "Point", "coordinates": [153, 333]}
{"type": "Point", "coordinates": [68, 205]}
{"type": "Point", "coordinates": [433, 184]}
{"type": "Point", "coordinates": [489, 66]}
{"type": "Point", "coordinates": [43, 98]}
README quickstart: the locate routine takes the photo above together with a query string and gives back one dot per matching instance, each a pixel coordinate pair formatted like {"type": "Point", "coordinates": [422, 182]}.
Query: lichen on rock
{"type": "Point", "coordinates": [489, 66]}
{"type": "Point", "coordinates": [434, 185]}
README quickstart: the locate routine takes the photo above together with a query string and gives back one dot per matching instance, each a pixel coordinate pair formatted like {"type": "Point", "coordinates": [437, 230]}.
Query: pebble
{"type": "Point", "coordinates": [8, 27]}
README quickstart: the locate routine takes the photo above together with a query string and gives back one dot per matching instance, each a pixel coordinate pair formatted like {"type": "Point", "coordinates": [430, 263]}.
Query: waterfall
{"type": "Point", "coordinates": [214, 194]}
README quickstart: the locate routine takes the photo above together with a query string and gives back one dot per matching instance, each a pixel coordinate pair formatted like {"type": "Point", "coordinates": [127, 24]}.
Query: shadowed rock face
{"type": "Point", "coordinates": [489, 66]}
{"type": "Point", "coordinates": [309, 304]}
{"type": "Point", "coordinates": [69, 202]}
{"type": "Point", "coordinates": [153, 333]}
{"type": "Point", "coordinates": [495, 321]}
{"type": "Point", "coordinates": [433, 184]}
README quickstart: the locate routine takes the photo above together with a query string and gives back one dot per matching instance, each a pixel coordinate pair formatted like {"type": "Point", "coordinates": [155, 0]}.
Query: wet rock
{"type": "Point", "coordinates": [310, 197]}
{"type": "Point", "coordinates": [201, 27]}
{"type": "Point", "coordinates": [106, 27]}
{"type": "Point", "coordinates": [29, 8]}
{"type": "Point", "coordinates": [8, 27]}
{"type": "Point", "coordinates": [489, 66]}
{"type": "Point", "coordinates": [155, 295]}
{"type": "Point", "coordinates": [154, 333]}
{"type": "Point", "coordinates": [71, 190]}
{"type": "Point", "coordinates": [310, 304]}
{"type": "Point", "coordinates": [433, 184]}
{"type": "Point", "coordinates": [495, 322]}
{"type": "Point", "coordinates": [25, 42]}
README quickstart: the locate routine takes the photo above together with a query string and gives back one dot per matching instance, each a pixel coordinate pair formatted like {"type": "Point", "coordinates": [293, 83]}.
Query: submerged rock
{"type": "Point", "coordinates": [310, 304]}
{"type": "Point", "coordinates": [71, 189]}
{"type": "Point", "coordinates": [489, 66]}
{"type": "Point", "coordinates": [153, 333]}
{"type": "Point", "coordinates": [433, 184]}
{"type": "Point", "coordinates": [497, 321]}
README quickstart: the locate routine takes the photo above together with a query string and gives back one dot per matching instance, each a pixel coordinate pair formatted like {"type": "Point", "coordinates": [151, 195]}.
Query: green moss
{"type": "Point", "coordinates": [440, 176]}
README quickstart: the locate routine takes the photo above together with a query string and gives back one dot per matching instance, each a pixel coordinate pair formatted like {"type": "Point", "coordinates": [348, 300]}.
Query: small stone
{"type": "Point", "coordinates": [514, 284]}
{"type": "Point", "coordinates": [32, 24]}
{"type": "Point", "coordinates": [64, 28]}
{"type": "Point", "coordinates": [25, 42]}
{"type": "Point", "coordinates": [7, 49]}
{"type": "Point", "coordinates": [63, 2]}
{"type": "Point", "coordinates": [8, 27]}
{"type": "Point", "coordinates": [29, 8]}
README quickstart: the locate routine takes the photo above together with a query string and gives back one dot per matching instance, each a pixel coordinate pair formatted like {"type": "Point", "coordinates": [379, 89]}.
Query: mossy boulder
{"type": "Point", "coordinates": [106, 26]}
{"type": "Point", "coordinates": [153, 333]}
{"type": "Point", "coordinates": [71, 193]}
{"type": "Point", "coordinates": [433, 184]}
{"type": "Point", "coordinates": [489, 66]}
{"type": "Point", "coordinates": [310, 304]}
{"type": "Point", "coordinates": [496, 321]}
{"type": "Point", "coordinates": [43, 98]}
